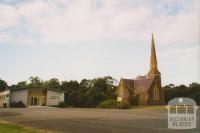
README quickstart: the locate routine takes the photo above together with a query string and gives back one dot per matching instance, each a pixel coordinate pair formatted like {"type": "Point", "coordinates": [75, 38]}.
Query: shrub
{"type": "Point", "coordinates": [113, 104]}
{"type": "Point", "coordinates": [110, 104]}
{"type": "Point", "coordinates": [61, 105]}
{"type": "Point", "coordinates": [125, 106]}
{"type": "Point", "coordinates": [19, 104]}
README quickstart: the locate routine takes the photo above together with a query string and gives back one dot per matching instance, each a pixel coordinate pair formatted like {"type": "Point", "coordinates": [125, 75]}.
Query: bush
{"type": "Point", "coordinates": [113, 104]}
{"type": "Point", "coordinates": [61, 105]}
{"type": "Point", "coordinates": [110, 104]}
{"type": "Point", "coordinates": [19, 104]}
{"type": "Point", "coordinates": [125, 106]}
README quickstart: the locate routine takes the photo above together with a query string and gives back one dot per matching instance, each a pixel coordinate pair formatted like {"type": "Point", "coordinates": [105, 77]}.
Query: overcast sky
{"type": "Point", "coordinates": [76, 39]}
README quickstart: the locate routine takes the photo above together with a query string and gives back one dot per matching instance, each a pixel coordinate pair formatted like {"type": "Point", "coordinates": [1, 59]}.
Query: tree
{"type": "Point", "coordinates": [20, 85]}
{"type": "Point", "coordinates": [194, 92]}
{"type": "Point", "coordinates": [98, 90]}
{"type": "Point", "coordinates": [71, 90]}
{"type": "Point", "coordinates": [191, 91]}
{"type": "Point", "coordinates": [89, 92]}
{"type": "Point", "coordinates": [53, 83]}
{"type": "Point", "coordinates": [3, 85]}
{"type": "Point", "coordinates": [35, 82]}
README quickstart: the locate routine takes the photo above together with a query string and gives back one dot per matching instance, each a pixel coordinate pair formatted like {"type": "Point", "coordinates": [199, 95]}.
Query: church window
{"type": "Point", "coordinates": [155, 93]}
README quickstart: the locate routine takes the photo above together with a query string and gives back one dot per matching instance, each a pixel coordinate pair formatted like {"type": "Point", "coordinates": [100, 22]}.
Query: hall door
{"type": "Point", "coordinates": [34, 101]}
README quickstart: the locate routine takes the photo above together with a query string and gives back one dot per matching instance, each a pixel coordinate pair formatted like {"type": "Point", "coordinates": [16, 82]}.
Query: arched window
{"type": "Point", "coordinates": [156, 93]}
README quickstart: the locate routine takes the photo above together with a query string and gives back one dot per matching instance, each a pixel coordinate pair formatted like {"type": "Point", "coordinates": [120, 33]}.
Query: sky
{"type": "Point", "coordinates": [77, 39]}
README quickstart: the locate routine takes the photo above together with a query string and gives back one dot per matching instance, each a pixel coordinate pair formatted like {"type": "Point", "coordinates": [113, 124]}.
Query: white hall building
{"type": "Point", "coordinates": [32, 97]}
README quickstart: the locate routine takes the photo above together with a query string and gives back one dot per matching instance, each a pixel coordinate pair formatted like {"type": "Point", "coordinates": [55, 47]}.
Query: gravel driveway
{"type": "Point", "coordinates": [81, 120]}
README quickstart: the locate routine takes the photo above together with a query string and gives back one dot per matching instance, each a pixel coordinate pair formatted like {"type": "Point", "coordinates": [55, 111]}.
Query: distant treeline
{"type": "Point", "coordinates": [192, 91]}
{"type": "Point", "coordinates": [91, 92]}
{"type": "Point", "coordinates": [86, 93]}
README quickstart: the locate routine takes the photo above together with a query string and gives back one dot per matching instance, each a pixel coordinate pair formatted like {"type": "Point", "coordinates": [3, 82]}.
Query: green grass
{"type": "Point", "coordinates": [149, 107]}
{"type": "Point", "coordinates": [14, 128]}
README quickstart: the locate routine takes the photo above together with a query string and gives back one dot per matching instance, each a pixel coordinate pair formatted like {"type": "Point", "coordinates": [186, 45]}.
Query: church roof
{"type": "Point", "coordinates": [142, 85]}
{"type": "Point", "coordinates": [137, 86]}
{"type": "Point", "coordinates": [129, 84]}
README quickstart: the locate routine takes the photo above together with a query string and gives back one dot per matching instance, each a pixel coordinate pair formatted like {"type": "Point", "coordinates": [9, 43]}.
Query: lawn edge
{"type": "Point", "coordinates": [26, 127]}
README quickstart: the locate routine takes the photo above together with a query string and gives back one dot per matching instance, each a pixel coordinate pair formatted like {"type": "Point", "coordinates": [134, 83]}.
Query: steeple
{"type": "Point", "coordinates": [153, 61]}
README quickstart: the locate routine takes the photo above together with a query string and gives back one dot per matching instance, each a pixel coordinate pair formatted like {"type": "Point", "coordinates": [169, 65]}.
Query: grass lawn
{"type": "Point", "coordinates": [6, 127]}
{"type": "Point", "coordinates": [149, 107]}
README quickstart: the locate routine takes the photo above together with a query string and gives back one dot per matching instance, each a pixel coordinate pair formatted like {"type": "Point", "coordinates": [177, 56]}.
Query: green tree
{"type": "Point", "coordinates": [53, 83]}
{"type": "Point", "coordinates": [98, 90]}
{"type": "Point", "coordinates": [71, 90]}
{"type": "Point", "coordinates": [194, 92]}
{"type": "Point", "coordinates": [89, 92]}
{"type": "Point", "coordinates": [191, 91]}
{"type": "Point", "coordinates": [35, 82]}
{"type": "Point", "coordinates": [3, 85]}
{"type": "Point", "coordinates": [20, 85]}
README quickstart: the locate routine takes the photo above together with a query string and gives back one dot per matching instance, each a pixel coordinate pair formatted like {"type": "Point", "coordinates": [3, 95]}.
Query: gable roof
{"type": "Point", "coordinates": [129, 84]}
{"type": "Point", "coordinates": [138, 85]}
{"type": "Point", "coordinates": [142, 85]}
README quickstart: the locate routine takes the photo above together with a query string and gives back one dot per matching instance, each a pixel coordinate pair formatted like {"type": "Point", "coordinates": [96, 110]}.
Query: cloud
{"type": "Point", "coordinates": [65, 21]}
{"type": "Point", "coordinates": [8, 17]}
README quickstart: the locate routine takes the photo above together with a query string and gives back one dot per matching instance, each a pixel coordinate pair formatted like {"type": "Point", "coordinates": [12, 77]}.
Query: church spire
{"type": "Point", "coordinates": [153, 61]}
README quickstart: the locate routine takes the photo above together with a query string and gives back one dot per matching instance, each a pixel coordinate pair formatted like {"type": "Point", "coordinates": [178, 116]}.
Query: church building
{"type": "Point", "coordinates": [144, 90]}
